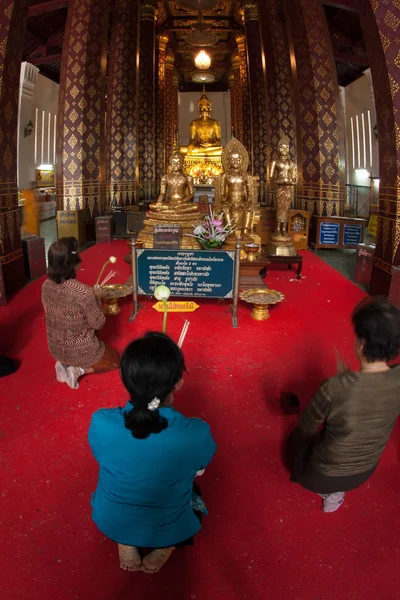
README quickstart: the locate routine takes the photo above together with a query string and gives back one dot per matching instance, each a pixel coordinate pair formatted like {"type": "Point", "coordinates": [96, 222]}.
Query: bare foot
{"type": "Point", "coordinates": [154, 561]}
{"type": "Point", "coordinates": [129, 558]}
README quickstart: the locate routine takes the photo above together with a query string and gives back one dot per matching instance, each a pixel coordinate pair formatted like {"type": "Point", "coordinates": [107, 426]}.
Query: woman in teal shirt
{"type": "Point", "coordinates": [149, 455]}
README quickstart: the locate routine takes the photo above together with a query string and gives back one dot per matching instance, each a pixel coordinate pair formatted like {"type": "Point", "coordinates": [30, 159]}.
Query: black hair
{"type": "Point", "coordinates": [377, 325]}
{"type": "Point", "coordinates": [63, 259]}
{"type": "Point", "coordinates": [151, 366]}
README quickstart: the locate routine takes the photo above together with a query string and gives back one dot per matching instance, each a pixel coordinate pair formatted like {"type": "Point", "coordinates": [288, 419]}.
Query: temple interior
{"type": "Point", "coordinates": [129, 122]}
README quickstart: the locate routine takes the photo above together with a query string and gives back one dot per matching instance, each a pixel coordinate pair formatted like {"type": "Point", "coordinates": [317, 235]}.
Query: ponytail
{"type": "Point", "coordinates": [142, 421]}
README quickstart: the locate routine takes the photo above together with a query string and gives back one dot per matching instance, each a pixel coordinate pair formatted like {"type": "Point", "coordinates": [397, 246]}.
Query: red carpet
{"type": "Point", "coordinates": [265, 538]}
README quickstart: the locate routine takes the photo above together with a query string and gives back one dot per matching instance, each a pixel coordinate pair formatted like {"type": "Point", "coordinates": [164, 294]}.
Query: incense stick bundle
{"type": "Point", "coordinates": [107, 278]}
{"type": "Point", "coordinates": [183, 333]}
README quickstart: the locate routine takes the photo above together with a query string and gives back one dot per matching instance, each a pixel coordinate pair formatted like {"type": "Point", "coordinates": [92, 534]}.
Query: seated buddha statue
{"type": "Point", "coordinates": [204, 132]}
{"type": "Point", "coordinates": [174, 206]}
{"type": "Point", "coordinates": [236, 194]}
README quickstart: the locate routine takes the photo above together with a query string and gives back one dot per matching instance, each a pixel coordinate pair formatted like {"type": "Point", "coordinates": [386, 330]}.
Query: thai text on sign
{"type": "Point", "coordinates": [176, 306]}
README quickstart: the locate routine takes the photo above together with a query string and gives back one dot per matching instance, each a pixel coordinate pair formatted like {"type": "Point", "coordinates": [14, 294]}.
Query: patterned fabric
{"type": "Point", "coordinates": [72, 317]}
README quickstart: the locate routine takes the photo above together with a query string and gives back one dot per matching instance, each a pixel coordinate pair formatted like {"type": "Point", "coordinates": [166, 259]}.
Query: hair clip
{"type": "Point", "coordinates": [154, 404]}
{"type": "Point", "coordinates": [73, 252]}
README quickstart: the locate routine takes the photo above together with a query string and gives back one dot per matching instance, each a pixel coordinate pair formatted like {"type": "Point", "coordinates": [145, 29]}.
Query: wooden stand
{"type": "Point", "coordinates": [34, 256]}
{"type": "Point", "coordinates": [286, 260]}
{"type": "Point", "coordinates": [252, 272]}
{"type": "Point", "coordinates": [71, 223]}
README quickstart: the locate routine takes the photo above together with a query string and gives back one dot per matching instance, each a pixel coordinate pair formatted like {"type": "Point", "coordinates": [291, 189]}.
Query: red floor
{"type": "Point", "coordinates": [265, 538]}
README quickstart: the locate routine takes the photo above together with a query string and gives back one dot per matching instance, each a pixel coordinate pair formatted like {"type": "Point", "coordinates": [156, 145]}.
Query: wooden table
{"type": "Point", "coordinates": [284, 260]}
{"type": "Point", "coordinates": [252, 272]}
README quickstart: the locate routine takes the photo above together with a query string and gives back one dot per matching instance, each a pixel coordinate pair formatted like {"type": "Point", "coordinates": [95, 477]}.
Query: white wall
{"type": "Point", "coordinates": [362, 145]}
{"type": "Point", "coordinates": [188, 110]}
{"type": "Point", "coordinates": [40, 107]}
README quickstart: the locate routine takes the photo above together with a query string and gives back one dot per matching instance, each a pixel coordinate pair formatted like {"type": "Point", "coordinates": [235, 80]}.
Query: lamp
{"type": "Point", "coordinates": [203, 77]}
{"type": "Point", "coordinates": [201, 35]}
{"type": "Point", "coordinates": [202, 60]}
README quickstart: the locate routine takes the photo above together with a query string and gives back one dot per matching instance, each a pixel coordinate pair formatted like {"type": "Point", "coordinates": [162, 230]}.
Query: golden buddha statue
{"type": "Point", "coordinates": [236, 194]}
{"type": "Point", "coordinates": [204, 132]}
{"type": "Point", "coordinates": [284, 175]}
{"type": "Point", "coordinates": [177, 209]}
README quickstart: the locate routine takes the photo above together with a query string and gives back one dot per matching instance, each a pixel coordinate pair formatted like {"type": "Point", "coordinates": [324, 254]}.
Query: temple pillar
{"type": "Point", "coordinates": [381, 26]}
{"type": "Point", "coordinates": [145, 157]}
{"type": "Point", "coordinates": [160, 99]}
{"type": "Point", "coordinates": [170, 98]}
{"type": "Point", "coordinates": [121, 105]}
{"type": "Point", "coordinates": [12, 30]}
{"type": "Point", "coordinates": [237, 98]}
{"type": "Point", "coordinates": [245, 94]}
{"type": "Point", "coordinates": [175, 107]}
{"type": "Point", "coordinates": [317, 94]}
{"type": "Point", "coordinates": [276, 61]}
{"type": "Point", "coordinates": [80, 154]}
{"type": "Point", "coordinates": [231, 79]}
{"type": "Point", "coordinates": [260, 149]}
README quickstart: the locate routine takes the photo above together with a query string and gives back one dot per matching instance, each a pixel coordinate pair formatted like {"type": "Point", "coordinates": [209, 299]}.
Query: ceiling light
{"type": "Point", "coordinates": [202, 60]}
{"type": "Point", "coordinates": [203, 77]}
{"type": "Point", "coordinates": [201, 35]}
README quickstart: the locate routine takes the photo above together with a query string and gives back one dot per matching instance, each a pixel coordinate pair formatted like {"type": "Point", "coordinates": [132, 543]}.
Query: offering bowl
{"type": "Point", "coordinates": [261, 298]}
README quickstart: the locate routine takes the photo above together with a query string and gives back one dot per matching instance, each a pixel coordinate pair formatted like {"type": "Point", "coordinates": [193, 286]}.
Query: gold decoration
{"type": "Point", "coordinates": [261, 298]}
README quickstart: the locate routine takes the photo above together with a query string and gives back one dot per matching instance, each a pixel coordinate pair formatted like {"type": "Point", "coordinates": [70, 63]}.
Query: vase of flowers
{"type": "Point", "coordinates": [211, 233]}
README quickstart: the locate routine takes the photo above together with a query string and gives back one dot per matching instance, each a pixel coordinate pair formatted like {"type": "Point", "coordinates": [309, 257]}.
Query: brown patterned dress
{"type": "Point", "coordinates": [73, 315]}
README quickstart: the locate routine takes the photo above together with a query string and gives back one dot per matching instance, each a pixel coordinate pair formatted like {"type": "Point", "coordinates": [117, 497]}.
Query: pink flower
{"type": "Point", "coordinates": [219, 228]}
{"type": "Point", "coordinates": [216, 222]}
{"type": "Point", "coordinates": [208, 236]}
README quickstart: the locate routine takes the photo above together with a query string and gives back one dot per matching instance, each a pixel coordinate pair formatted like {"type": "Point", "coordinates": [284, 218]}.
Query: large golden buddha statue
{"type": "Point", "coordinates": [236, 194]}
{"type": "Point", "coordinates": [174, 206]}
{"type": "Point", "coordinates": [204, 132]}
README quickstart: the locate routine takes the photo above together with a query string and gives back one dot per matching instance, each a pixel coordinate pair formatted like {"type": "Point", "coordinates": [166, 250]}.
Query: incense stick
{"type": "Point", "coordinates": [107, 278]}
{"type": "Point", "coordinates": [183, 333]}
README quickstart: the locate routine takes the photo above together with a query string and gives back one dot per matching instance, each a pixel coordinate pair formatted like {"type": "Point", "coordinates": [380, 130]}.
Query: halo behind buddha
{"type": "Point", "coordinates": [235, 146]}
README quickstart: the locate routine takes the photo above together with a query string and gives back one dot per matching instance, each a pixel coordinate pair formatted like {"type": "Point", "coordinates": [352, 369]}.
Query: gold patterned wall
{"type": "Point", "coordinates": [146, 105]}
{"type": "Point", "coordinates": [282, 119]}
{"type": "Point", "coordinates": [80, 168]}
{"type": "Point", "coordinates": [260, 147]}
{"type": "Point", "coordinates": [169, 106]}
{"type": "Point", "coordinates": [121, 105]}
{"type": "Point", "coordinates": [318, 152]}
{"type": "Point", "coordinates": [12, 29]}
{"type": "Point", "coordinates": [237, 98]}
{"type": "Point", "coordinates": [381, 26]}
{"type": "Point", "coordinates": [244, 91]}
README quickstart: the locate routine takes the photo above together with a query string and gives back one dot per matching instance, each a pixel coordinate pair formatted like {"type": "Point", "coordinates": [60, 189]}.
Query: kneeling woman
{"type": "Point", "coordinates": [73, 315]}
{"type": "Point", "coordinates": [149, 455]}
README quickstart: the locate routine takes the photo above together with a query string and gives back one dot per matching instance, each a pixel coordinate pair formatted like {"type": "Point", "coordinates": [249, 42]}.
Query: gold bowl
{"type": "Point", "coordinates": [261, 298]}
{"type": "Point", "coordinates": [251, 251]}
{"type": "Point", "coordinates": [110, 294]}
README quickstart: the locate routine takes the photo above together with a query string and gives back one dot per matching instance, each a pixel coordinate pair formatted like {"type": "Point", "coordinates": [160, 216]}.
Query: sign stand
{"type": "Point", "coordinates": [233, 291]}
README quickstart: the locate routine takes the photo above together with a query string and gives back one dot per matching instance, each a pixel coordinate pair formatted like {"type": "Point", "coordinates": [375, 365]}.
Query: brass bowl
{"type": "Point", "coordinates": [251, 251]}
{"type": "Point", "coordinates": [110, 294]}
{"type": "Point", "coordinates": [261, 298]}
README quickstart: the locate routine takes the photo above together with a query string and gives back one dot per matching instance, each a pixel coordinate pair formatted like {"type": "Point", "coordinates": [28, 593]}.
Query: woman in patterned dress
{"type": "Point", "coordinates": [73, 316]}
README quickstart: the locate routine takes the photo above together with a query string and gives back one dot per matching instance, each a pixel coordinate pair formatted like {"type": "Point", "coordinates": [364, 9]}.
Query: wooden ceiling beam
{"type": "Point", "coordinates": [45, 60]}
{"type": "Point", "coordinates": [46, 7]}
{"type": "Point", "coordinates": [41, 41]}
{"type": "Point", "coordinates": [351, 5]}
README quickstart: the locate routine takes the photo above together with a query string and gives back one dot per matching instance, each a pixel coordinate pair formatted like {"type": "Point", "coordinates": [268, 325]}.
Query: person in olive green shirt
{"type": "Point", "coordinates": [343, 431]}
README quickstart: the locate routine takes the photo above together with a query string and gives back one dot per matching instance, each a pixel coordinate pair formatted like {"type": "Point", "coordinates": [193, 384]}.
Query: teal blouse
{"type": "Point", "coordinates": [144, 490]}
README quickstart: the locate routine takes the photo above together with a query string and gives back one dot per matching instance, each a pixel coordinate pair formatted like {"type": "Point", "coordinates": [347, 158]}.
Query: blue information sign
{"type": "Point", "coordinates": [187, 272]}
{"type": "Point", "coordinates": [329, 233]}
{"type": "Point", "coordinates": [352, 234]}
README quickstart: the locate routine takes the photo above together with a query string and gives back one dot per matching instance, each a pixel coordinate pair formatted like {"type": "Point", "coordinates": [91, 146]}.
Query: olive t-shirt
{"type": "Point", "coordinates": [358, 412]}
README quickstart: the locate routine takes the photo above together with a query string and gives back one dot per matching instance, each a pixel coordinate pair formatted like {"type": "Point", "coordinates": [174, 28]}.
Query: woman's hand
{"type": "Point", "coordinates": [97, 292]}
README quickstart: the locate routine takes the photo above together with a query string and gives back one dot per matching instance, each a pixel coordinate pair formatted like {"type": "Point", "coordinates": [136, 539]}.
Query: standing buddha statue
{"type": "Point", "coordinates": [284, 175]}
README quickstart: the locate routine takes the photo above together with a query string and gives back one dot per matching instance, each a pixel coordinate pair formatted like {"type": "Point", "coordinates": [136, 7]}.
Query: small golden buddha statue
{"type": "Point", "coordinates": [204, 132]}
{"type": "Point", "coordinates": [284, 175]}
{"type": "Point", "coordinates": [176, 209]}
{"type": "Point", "coordinates": [236, 194]}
